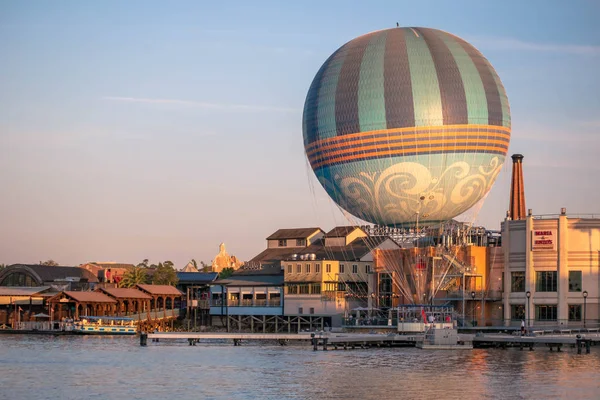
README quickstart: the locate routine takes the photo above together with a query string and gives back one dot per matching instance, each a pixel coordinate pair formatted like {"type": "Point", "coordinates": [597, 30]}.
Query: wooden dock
{"type": "Point", "coordinates": [556, 341]}
{"type": "Point", "coordinates": [333, 340]}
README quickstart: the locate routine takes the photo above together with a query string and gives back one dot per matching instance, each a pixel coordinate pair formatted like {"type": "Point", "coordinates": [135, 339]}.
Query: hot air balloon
{"type": "Point", "coordinates": [405, 123]}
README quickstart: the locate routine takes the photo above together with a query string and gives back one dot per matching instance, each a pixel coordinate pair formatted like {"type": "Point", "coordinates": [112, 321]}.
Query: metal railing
{"type": "Point", "coordinates": [247, 303]}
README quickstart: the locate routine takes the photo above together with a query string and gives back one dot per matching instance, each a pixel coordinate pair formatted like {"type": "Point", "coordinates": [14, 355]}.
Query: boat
{"type": "Point", "coordinates": [105, 326]}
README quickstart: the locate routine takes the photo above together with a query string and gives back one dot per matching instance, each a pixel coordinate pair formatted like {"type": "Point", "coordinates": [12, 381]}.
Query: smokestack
{"type": "Point", "coordinates": [517, 189]}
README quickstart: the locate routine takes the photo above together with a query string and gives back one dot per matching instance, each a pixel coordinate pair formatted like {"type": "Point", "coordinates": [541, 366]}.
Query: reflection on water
{"type": "Point", "coordinates": [36, 367]}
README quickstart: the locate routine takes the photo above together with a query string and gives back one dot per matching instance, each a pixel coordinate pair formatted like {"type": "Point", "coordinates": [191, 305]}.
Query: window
{"type": "Point", "coordinates": [301, 242]}
{"type": "Point", "coordinates": [545, 312]}
{"type": "Point", "coordinates": [312, 310]}
{"type": "Point", "coordinates": [299, 268]}
{"type": "Point", "coordinates": [315, 288]}
{"type": "Point", "coordinates": [303, 289]}
{"type": "Point", "coordinates": [18, 279]}
{"type": "Point", "coordinates": [317, 268]}
{"type": "Point", "coordinates": [300, 310]}
{"type": "Point", "coordinates": [517, 281]}
{"type": "Point", "coordinates": [574, 312]}
{"type": "Point", "coordinates": [307, 268]}
{"type": "Point", "coordinates": [545, 281]}
{"type": "Point", "coordinates": [292, 289]}
{"type": "Point", "coordinates": [517, 311]}
{"type": "Point", "coordinates": [354, 269]}
{"type": "Point", "coordinates": [290, 269]}
{"type": "Point", "coordinates": [574, 281]}
{"type": "Point", "coordinates": [328, 268]}
{"type": "Point", "coordinates": [368, 269]}
{"type": "Point", "coordinates": [282, 243]}
{"type": "Point", "coordinates": [342, 268]}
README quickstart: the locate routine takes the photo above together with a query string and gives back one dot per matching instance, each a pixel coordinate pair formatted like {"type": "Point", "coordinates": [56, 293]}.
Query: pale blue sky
{"type": "Point", "coordinates": [146, 129]}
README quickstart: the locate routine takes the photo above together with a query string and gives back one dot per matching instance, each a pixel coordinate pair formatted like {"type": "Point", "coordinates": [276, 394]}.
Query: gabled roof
{"type": "Point", "coordinates": [341, 231]}
{"type": "Point", "coordinates": [354, 251]}
{"type": "Point", "coordinates": [294, 233]}
{"type": "Point", "coordinates": [197, 277]}
{"type": "Point", "coordinates": [125, 293]}
{"type": "Point", "coordinates": [160, 290]}
{"type": "Point", "coordinates": [189, 268]}
{"type": "Point", "coordinates": [88, 297]}
{"type": "Point", "coordinates": [275, 254]}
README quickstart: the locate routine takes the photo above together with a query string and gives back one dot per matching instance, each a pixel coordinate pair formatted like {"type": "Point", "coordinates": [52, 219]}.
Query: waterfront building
{"type": "Point", "coordinates": [333, 275]}
{"type": "Point", "coordinates": [21, 303]}
{"type": "Point", "coordinates": [196, 287]}
{"type": "Point", "coordinates": [162, 296]}
{"type": "Point", "coordinates": [248, 297]}
{"type": "Point", "coordinates": [128, 300]}
{"type": "Point", "coordinates": [283, 244]}
{"type": "Point", "coordinates": [72, 304]}
{"type": "Point", "coordinates": [551, 269]}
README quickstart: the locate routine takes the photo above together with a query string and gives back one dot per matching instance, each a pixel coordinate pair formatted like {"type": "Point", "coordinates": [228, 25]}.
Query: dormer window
{"type": "Point", "coordinates": [301, 242]}
{"type": "Point", "coordinates": [282, 243]}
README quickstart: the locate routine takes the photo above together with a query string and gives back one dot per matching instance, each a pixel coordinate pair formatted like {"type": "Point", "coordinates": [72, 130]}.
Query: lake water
{"type": "Point", "coordinates": [72, 367]}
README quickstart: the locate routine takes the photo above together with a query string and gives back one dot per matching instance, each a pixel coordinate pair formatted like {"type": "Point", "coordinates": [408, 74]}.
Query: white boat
{"type": "Point", "coordinates": [105, 326]}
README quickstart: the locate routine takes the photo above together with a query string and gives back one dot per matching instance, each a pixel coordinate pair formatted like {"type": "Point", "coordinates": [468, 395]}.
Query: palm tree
{"type": "Point", "coordinates": [135, 276]}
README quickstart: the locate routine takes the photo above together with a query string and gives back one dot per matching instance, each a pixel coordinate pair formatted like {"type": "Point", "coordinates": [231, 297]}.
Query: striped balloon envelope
{"type": "Point", "coordinates": [406, 123]}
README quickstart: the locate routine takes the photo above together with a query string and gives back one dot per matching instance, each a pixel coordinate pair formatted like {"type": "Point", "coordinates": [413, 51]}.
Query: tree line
{"type": "Point", "coordinates": [163, 273]}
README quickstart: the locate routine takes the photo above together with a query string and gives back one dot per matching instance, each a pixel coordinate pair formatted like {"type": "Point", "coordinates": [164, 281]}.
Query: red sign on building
{"type": "Point", "coordinates": [543, 239]}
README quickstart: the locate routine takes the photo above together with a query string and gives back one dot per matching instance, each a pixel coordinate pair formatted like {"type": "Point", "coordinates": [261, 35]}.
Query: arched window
{"type": "Point", "coordinates": [18, 279]}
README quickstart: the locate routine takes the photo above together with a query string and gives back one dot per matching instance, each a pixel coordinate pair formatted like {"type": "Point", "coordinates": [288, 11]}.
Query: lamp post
{"type": "Point", "coordinates": [585, 295]}
{"type": "Point", "coordinates": [473, 307]}
{"type": "Point", "coordinates": [528, 294]}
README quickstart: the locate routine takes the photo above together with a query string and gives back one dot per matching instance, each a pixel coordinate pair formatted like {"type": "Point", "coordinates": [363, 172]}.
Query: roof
{"type": "Point", "coordinates": [354, 251]}
{"type": "Point", "coordinates": [275, 254]}
{"type": "Point", "coordinates": [264, 270]}
{"type": "Point", "coordinates": [294, 233]}
{"type": "Point", "coordinates": [341, 231]}
{"type": "Point", "coordinates": [48, 273]}
{"type": "Point", "coordinates": [190, 268]}
{"type": "Point", "coordinates": [89, 297]}
{"type": "Point", "coordinates": [21, 291]}
{"type": "Point", "coordinates": [160, 290]}
{"type": "Point", "coordinates": [253, 280]}
{"type": "Point", "coordinates": [197, 277]}
{"type": "Point", "coordinates": [125, 293]}
{"type": "Point", "coordinates": [112, 265]}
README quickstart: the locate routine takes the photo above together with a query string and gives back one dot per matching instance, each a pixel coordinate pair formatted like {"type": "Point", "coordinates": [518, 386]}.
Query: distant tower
{"type": "Point", "coordinates": [517, 190]}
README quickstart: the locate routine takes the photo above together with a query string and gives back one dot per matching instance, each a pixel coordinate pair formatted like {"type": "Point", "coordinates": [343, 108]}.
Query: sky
{"type": "Point", "coordinates": [151, 129]}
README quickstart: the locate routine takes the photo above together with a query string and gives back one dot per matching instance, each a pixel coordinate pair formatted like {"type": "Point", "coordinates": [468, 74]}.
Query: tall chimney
{"type": "Point", "coordinates": [517, 189]}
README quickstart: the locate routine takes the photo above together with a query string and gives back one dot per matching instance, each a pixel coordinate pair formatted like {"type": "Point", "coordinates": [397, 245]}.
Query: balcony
{"type": "Point", "coordinates": [247, 303]}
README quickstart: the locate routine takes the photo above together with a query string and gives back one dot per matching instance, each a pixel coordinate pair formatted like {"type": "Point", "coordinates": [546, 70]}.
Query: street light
{"type": "Point", "coordinates": [585, 294]}
{"type": "Point", "coordinates": [528, 294]}
{"type": "Point", "coordinates": [473, 311]}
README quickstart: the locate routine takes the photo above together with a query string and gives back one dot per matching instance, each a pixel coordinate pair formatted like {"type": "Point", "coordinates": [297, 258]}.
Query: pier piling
{"type": "Point", "coordinates": [143, 339]}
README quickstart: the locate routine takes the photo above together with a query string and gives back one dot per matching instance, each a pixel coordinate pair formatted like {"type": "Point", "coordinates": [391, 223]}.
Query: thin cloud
{"type": "Point", "coordinates": [198, 104]}
{"type": "Point", "coordinates": [517, 44]}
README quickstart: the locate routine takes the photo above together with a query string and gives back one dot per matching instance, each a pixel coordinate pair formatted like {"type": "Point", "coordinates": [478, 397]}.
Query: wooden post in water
{"type": "Point", "coordinates": [143, 339]}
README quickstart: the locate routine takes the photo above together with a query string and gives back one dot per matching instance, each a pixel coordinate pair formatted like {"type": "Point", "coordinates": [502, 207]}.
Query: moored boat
{"type": "Point", "coordinates": [105, 326]}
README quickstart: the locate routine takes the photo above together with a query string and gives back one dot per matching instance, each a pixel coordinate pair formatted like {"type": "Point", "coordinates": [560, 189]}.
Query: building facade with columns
{"type": "Point", "coordinates": [551, 264]}
{"type": "Point", "coordinates": [552, 269]}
